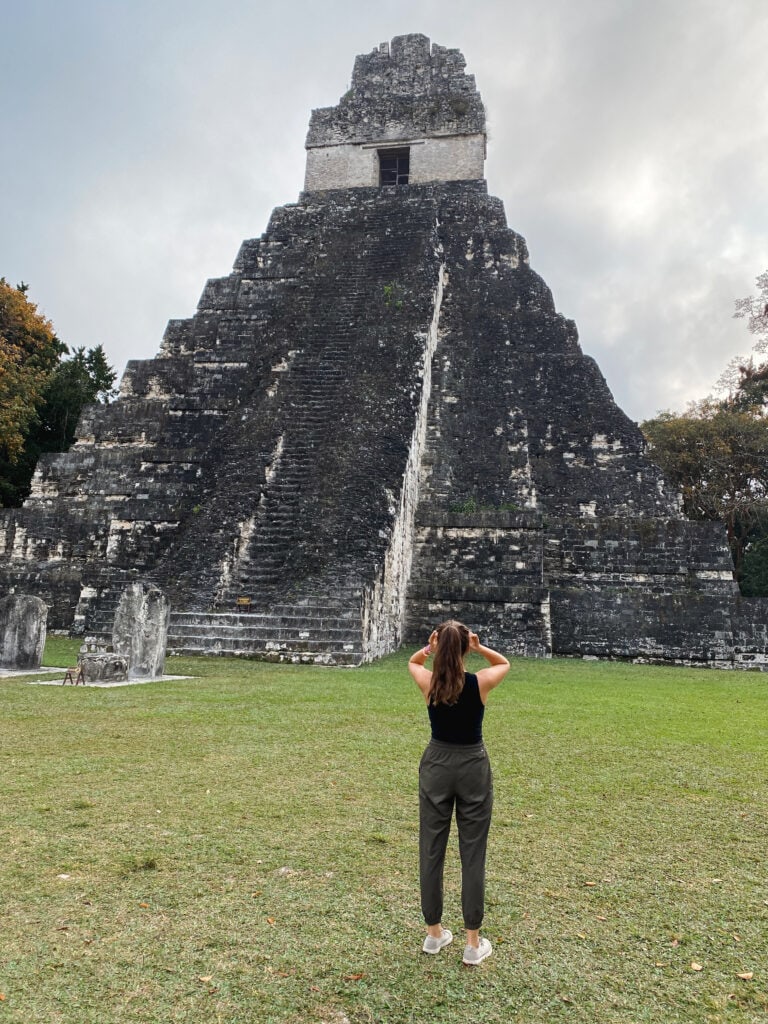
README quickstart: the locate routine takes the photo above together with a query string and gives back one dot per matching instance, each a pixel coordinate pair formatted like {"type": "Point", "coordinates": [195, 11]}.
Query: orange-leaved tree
{"type": "Point", "coordinates": [29, 353]}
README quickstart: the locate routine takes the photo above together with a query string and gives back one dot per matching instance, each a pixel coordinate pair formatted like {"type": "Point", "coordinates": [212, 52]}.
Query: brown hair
{"type": "Point", "coordinates": [448, 666]}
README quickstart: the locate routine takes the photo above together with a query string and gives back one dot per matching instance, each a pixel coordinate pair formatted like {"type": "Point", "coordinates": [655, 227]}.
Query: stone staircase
{"type": "Point", "coordinates": [321, 631]}
{"type": "Point", "coordinates": [310, 633]}
{"type": "Point", "coordinates": [259, 570]}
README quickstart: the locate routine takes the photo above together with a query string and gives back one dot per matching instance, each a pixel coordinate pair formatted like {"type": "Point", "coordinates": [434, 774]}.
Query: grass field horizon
{"type": "Point", "coordinates": [241, 846]}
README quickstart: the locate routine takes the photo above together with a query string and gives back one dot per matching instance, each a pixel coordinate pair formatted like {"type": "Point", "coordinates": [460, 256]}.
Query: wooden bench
{"type": "Point", "coordinates": [74, 674]}
{"type": "Point", "coordinates": [243, 604]}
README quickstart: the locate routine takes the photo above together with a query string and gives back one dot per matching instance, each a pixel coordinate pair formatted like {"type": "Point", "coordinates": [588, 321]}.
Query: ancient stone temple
{"type": "Point", "coordinates": [377, 420]}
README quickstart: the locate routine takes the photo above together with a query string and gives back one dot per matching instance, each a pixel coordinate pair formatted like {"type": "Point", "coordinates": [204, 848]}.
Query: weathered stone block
{"type": "Point", "coordinates": [22, 631]}
{"type": "Point", "coordinates": [140, 631]}
{"type": "Point", "coordinates": [104, 667]}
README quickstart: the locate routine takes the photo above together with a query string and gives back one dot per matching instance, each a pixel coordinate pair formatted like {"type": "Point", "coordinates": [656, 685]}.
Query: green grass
{"type": "Point", "coordinates": [242, 847]}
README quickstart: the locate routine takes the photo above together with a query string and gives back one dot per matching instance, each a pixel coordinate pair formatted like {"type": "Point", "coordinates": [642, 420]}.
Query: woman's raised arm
{"type": "Point", "coordinates": [421, 675]}
{"type": "Point", "coordinates": [498, 666]}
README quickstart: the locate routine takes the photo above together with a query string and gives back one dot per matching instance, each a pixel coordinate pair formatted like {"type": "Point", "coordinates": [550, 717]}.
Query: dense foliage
{"type": "Point", "coordinates": [29, 352]}
{"type": "Point", "coordinates": [43, 389]}
{"type": "Point", "coordinates": [717, 453]}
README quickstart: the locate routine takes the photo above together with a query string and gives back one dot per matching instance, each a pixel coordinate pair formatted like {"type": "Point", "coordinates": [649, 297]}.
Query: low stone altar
{"type": "Point", "coordinates": [103, 667]}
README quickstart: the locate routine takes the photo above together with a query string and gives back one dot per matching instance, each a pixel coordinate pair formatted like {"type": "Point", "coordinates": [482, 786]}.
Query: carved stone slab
{"type": "Point", "coordinates": [140, 632]}
{"type": "Point", "coordinates": [22, 631]}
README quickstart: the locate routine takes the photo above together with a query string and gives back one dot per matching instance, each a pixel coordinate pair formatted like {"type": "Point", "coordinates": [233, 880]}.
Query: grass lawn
{"type": "Point", "coordinates": [242, 847]}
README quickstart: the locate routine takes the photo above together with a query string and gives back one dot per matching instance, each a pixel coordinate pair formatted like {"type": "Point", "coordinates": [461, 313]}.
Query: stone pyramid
{"type": "Point", "coordinates": [378, 420]}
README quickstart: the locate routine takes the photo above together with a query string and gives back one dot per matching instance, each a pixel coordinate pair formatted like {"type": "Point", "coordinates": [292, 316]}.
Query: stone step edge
{"type": "Point", "coordinates": [321, 617]}
{"type": "Point", "coordinates": [341, 659]}
{"type": "Point", "coordinates": [260, 641]}
{"type": "Point", "coordinates": [479, 595]}
{"type": "Point", "coordinates": [264, 643]}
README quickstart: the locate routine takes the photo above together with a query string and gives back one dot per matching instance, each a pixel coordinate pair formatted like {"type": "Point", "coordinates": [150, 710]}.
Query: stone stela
{"type": "Point", "coordinates": [314, 468]}
{"type": "Point", "coordinates": [23, 629]}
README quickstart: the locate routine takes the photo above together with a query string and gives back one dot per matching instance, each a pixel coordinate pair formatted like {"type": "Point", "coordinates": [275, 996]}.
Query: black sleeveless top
{"type": "Point", "coordinates": [462, 722]}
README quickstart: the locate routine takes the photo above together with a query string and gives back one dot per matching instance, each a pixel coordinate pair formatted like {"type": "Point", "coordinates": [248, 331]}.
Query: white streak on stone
{"type": "Point", "coordinates": [383, 603]}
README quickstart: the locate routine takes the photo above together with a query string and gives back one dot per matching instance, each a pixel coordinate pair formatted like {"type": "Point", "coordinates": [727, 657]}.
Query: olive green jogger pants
{"type": "Point", "coordinates": [454, 776]}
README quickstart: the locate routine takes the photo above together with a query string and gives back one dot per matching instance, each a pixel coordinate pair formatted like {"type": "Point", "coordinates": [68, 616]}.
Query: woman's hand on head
{"type": "Point", "coordinates": [474, 641]}
{"type": "Point", "coordinates": [433, 641]}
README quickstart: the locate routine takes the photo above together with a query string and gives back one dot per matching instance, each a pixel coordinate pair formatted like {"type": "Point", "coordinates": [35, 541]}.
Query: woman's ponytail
{"type": "Point", "coordinates": [448, 666]}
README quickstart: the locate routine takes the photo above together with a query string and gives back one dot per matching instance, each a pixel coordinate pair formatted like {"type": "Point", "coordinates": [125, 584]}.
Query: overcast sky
{"type": "Point", "coordinates": [142, 140]}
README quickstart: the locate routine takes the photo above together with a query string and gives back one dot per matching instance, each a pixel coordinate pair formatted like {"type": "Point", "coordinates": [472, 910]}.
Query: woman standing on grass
{"type": "Point", "coordinates": [455, 771]}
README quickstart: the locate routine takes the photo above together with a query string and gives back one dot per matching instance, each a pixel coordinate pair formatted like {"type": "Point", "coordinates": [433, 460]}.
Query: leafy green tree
{"type": "Point", "coordinates": [717, 452]}
{"type": "Point", "coordinates": [754, 571]}
{"type": "Point", "coordinates": [717, 456]}
{"type": "Point", "coordinates": [84, 378]}
{"type": "Point", "coordinates": [42, 393]}
{"type": "Point", "coordinates": [754, 579]}
{"type": "Point", "coordinates": [751, 392]}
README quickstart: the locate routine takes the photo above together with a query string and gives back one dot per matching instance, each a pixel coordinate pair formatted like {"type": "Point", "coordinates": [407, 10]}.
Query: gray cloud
{"type": "Point", "coordinates": [629, 143]}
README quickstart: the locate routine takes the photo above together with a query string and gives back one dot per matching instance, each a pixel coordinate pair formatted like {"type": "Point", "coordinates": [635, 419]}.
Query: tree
{"type": "Point", "coordinates": [42, 393]}
{"type": "Point", "coordinates": [84, 378]}
{"type": "Point", "coordinates": [717, 455]}
{"type": "Point", "coordinates": [29, 352]}
{"type": "Point", "coordinates": [755, 309]}
{"type": "Point", "coordinates": [754, 573]}
{"type": "Point", "coordinates": [746, 378]}
{"type": "Point", "coordinates": [717, 452]}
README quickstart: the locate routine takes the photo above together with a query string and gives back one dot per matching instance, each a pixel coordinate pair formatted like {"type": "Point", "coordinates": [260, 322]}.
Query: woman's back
{"type": "Point", "coordinates": [462, 721]}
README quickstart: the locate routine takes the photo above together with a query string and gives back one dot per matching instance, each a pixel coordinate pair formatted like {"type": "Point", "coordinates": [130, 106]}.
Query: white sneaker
{"type": "Point", "coordinates": [433, 945]}
{"type": "Point", "coordinates": [476, 954]}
